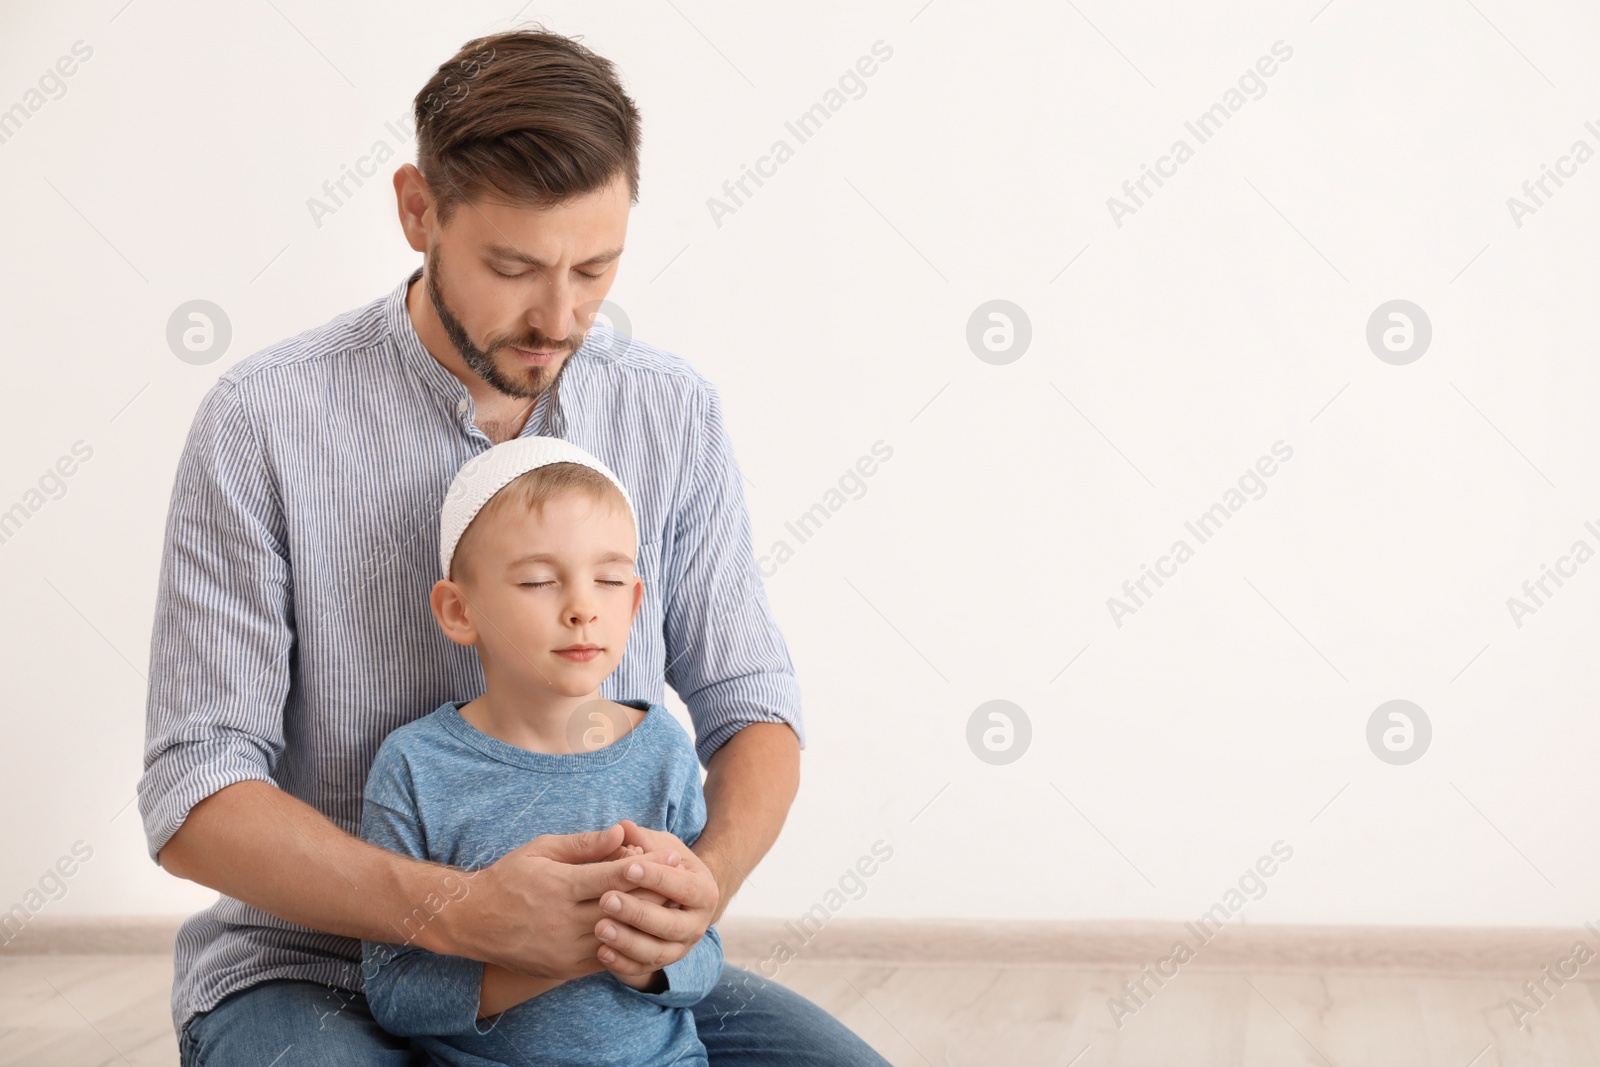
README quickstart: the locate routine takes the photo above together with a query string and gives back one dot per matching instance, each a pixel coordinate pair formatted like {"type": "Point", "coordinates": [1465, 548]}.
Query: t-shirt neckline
{"type": "Point", "coordinates": [451, 718]}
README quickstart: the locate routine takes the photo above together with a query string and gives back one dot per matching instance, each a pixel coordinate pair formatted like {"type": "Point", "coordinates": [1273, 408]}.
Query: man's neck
{"type": "Point", "coordinates": [499, 416]}
{"type": "Point", "coordinates": [500, 432]}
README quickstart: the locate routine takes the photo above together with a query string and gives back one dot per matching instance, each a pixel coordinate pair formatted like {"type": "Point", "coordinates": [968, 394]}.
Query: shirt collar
{"type": "Point", "coordinates": [416, 354]}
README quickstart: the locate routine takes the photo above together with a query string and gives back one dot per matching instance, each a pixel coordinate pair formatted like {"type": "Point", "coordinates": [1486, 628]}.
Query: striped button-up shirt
{"type": "Point", "coordinates": [292, 629]}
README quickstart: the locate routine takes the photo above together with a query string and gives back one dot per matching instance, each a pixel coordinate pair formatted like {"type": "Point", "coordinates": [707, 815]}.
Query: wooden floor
{"type": "Point", "coordinates": [112, 1010]}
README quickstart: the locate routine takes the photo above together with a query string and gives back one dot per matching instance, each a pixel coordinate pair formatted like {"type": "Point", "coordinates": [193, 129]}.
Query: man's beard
{"type": "Point", "coordinates": [527, 382]}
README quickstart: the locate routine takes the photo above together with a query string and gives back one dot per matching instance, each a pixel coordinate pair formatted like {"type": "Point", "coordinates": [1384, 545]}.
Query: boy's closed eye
{"type": "Point", "coordinates": [614, 582]}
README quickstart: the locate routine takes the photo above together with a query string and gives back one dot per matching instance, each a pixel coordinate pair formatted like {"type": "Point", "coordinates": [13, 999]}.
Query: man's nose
{"type": "Point", "coordinates": [553, 309]}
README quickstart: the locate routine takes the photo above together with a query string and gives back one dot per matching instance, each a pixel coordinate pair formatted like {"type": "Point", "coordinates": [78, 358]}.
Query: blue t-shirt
{"type": "Point", "coordinates": [440, 789]}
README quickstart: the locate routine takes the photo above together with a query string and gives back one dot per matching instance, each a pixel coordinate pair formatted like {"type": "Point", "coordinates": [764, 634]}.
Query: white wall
{"type": "Point", "coordinates": [1227, 313]}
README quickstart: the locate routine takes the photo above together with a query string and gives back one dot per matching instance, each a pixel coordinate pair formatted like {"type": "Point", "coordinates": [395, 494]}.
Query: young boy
{"type": "Point", "coordinates": [537, 546]}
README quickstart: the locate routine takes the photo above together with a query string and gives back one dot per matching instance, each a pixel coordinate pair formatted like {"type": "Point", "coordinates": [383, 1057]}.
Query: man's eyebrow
{"type": "Point", "coordinates": [507, 252]}
{"type": "Point", "coordinates": [546, 557]}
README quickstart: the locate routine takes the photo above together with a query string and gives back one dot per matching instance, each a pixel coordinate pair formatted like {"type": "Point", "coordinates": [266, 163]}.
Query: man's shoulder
{"type": "Point", "coordinates": [624, 359]}
{"type": "Point", "coordinates": [358, 329]}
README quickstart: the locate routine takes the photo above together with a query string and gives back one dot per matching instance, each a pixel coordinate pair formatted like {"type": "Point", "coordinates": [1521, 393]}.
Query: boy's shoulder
{"type": "Point", "coordinates": [676, 763]}
{"type": "Point", "coordinates": [671, 770]}
{"type": "Point", "coordinates": [658, 749]}
{"type": "Point", "coordinates": [425, 730]}
{"type": "Point", "coordinates": [405, 745]}
{"type": "Point", "coordinates": [668, 730]}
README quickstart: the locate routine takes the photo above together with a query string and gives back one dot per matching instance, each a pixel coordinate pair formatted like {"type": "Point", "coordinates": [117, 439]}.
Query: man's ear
{"type": "Point", "coordinates": [450, 610]}
{"type": "Point", "coordinates": [413, 201]}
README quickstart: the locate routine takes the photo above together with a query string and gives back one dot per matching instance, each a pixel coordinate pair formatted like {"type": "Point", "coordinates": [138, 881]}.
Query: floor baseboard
{"type": "Point", "coordinates": [1119, 944]}
{"type": "Point", "coordinates": [1134, 944]}
{"type": "Point", "coordinates": [75, 935]}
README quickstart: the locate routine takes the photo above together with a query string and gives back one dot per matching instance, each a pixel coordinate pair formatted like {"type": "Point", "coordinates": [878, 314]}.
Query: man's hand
{"type": "Point", "coordinates": [650, 981]}
{"type": "Point", "coordinates": [535, 910]}
{"type": "Point", "coordinates": [670, 904]}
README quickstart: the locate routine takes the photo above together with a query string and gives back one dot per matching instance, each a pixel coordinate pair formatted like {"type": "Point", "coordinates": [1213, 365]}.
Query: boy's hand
{"type": "Point", "coordinates": [650, 895]}
{"type": "Point", "coordinates": [653, 982]}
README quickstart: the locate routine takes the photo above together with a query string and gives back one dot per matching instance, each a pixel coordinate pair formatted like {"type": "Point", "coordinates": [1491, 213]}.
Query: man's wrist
{"type": "Point", "coordinates": [727, 876]}
{"type": "Point", "coordinates": [429, 901]}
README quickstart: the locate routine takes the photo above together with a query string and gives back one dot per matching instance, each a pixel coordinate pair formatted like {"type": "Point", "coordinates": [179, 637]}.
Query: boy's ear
{"type": "Point", "coordinates": [638, 598]}
{"type": "Point", "coordinates": [450, 611]}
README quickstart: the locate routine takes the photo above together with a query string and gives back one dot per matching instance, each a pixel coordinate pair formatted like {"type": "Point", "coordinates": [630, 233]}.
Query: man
{"type": "Point", "coordinates": [293, 630]}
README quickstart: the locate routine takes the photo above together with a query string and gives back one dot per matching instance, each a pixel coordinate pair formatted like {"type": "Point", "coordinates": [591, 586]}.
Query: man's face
{"type": "Point", "coordinates": [516, 289]}
{"type": "Point", "coordinates": [541, 583]}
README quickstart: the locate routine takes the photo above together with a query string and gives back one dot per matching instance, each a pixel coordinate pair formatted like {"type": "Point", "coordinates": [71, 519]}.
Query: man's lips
{"type": "Point", "coordinates": [538, 357]}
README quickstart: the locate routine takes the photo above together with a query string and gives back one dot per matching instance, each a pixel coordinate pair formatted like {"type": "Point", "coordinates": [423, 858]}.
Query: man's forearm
{"type": "Point", "coordinates": [256, 843]}
{"type": "Point", "coordinates": [750, 783]}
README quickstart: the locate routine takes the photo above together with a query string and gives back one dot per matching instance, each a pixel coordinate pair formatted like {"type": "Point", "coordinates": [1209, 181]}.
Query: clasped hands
{"type": "Point", "coordinates": [626, 899]}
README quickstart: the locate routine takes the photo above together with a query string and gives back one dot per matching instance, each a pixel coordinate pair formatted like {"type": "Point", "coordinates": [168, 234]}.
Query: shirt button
{"type": "Point", "coordinates": [461, 406]}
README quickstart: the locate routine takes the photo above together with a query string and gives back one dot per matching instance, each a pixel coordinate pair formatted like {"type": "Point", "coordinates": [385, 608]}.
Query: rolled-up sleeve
{"type": "Point", "coordinates": [725, 655]}
{"type": "Point", "coordinates": [223, 633]}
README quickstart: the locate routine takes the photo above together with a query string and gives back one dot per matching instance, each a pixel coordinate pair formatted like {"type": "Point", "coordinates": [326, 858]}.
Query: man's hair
{"type": "Point", "coordinates": [527, 116]}
{"type": "Point", "coordinates": [530, 491]}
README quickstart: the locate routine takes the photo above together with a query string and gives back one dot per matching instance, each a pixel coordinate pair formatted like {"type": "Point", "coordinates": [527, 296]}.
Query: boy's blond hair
{"type": "Point", "coordinates": [530, 491]}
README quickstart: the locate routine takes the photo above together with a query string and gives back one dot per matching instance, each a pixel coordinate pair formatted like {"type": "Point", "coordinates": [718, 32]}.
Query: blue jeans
{"type": "Point", "coordinates": [286, 1022]}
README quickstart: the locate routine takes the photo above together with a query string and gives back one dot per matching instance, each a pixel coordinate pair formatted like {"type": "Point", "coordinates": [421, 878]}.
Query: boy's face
{"type": "Point", "coordinates": [549, 598]}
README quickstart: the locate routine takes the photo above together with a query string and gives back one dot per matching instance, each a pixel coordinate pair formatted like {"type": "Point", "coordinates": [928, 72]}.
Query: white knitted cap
{"type": "Point", "coordinates": [484, 475]}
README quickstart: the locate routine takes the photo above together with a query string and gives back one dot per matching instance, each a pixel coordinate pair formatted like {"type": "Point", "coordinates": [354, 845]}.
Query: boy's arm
{"type": "Point", "coordinates": [416, 993]}
{"type": "Point", "coordinates": [411, 991]}
{"type": "Point", "coordinates": [689, 980]}
{"type": "Point", "coordinates": [504, 989]}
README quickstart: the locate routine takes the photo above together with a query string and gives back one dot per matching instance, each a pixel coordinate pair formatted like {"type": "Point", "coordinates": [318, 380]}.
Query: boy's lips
{"type": "Point", "coordinates": [579, 653]}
